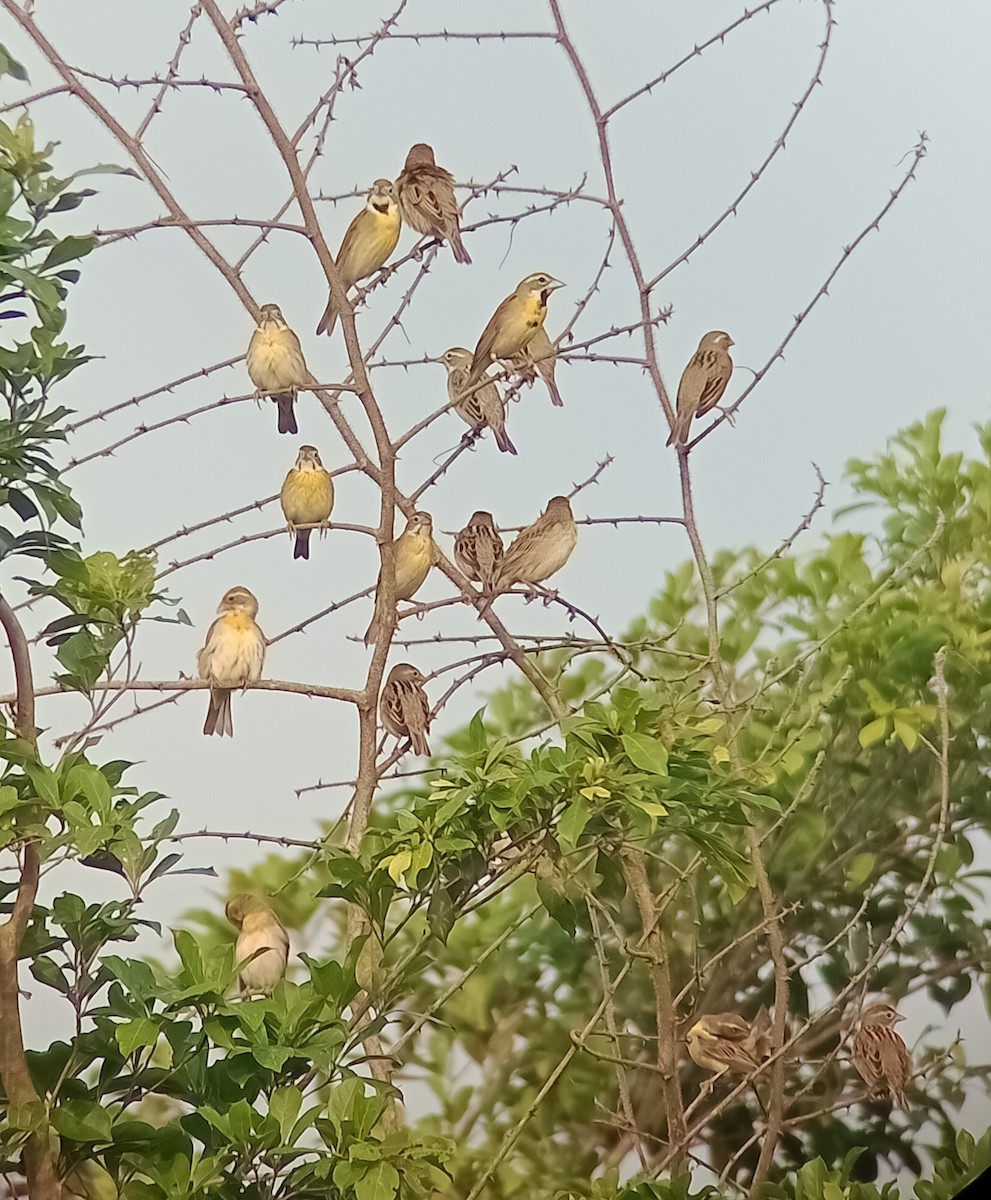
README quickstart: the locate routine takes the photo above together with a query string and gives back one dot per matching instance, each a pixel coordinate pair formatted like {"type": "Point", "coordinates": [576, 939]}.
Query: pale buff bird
{"type": "Point", "coordinates": [481, 409]}
{"type": "Point", "coordinates": [307, 497]}
{"type": "Point", "coordinates": [414, 553]}
{"type": "Point", "coordinates": [275, 362]}
{"type": "Point", "coordinates": [725, 1042]}
{"type": "Point", "coordinates": [232, 656]}
{"type": "Point", "coordinates": [478, 549]}
{"type": "Point", "coordinates": [542, 549]}
{"type": "Point", "coordinates": [260, 934]}
{"type": "Point", "coordinates": [514, 323]}
{"type": "Point", "coordinates": [540, 357]}
{"type": "Point", "coordinates": [370, 239]}
{"type": "Point", "coordinates": [426, 199]}
{"type": "Point", "coordinates": [404, 709]}
{"type": "Point", "coordinates": [880, 1054]}
{"type": "Point", "coordinates": [702, 382]}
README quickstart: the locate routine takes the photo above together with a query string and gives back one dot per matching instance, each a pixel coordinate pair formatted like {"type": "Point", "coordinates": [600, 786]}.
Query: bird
{"type": "Point", "coordinates": [703, 382]}
{"type": "Point", "coordinates": [541, 549]}
{"type": "Point", "coordinates": [540, 356]}
{"type": "Point", "coordinates": [514, 323]}
{"type": "Point", "coordinates": [414, 553]}
{"type": "Point", "coordinates": [275, 362]}
{"type": "Point", "coordinates": [262, 938]}
{"type": "Point", "coordinates": [480, 409]}
{"type": "Point", "coordinates": [307, 497]}
{"type": "Point", "coordinates": [478, 549]}
{"type": "Point", "coordinates": [725, 1042]}
{"type": "Point", "coordinates": [404, 708]}
{"type": "Point", "coordinates": [232, 656]}
{"type": "Point", "coordinates": [370, 239]}
{"type": "Point", "coordinates": [426, 200]}
{"type": "Point", "coordinates": [880, 1054]}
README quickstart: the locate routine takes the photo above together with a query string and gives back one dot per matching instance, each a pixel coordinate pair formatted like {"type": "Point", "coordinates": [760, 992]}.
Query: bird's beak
{"type": "Point", "coordinates": [731, 342]}
{"type": "Point", "coordinates": [898, 1017]}
{"type": "Point", "coordinates": [555, 284]}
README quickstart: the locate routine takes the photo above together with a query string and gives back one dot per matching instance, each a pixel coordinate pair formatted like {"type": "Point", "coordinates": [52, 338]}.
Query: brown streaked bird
{"type": "Point", "coordinates": [427, 202]}
{"type": "Point", "coordinates": [880, 1054]}
{"type": "Point", "coordinates": [414, 553]}
{"type": "Point", "coordinates": [703, 382]}
{"type": "Point", "coordinates": [307, 498]}
{"type": "Point", "coordinates": [514, 323]}
{"type": "Point", "coordinates": [370, 239]}
{"type": "Point", "coordinates": [725, 1042]}
{"type": "Point", "coordinates": [262, 938]}
{"type": "Point", "coordinates": [481, 409]}
{"type": "Point", "coordinates": [275, 362]}
{"type": "Point", "coordinates": [232, 657]}
{"type": "Point", "coordinates": [478, 549]}
{"type": "Point", "coordinates": [540, 356]}
{"type": "Point", "coordinates": [541, 549]}
{"type": "Point", "coordinates": [404, 709]}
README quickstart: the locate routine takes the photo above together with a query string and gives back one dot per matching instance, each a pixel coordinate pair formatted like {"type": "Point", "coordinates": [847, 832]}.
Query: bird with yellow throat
{"type": "Point", "coordinates": [514, 323]}
{"type": "Point", "coordinates": [307, 498]}
{"type": "Point", "coordinates": [414, 553]}
{"type": "Point", "coordinates": [232, 657]}
{"type": "Point", "coordinates": [276, 365]}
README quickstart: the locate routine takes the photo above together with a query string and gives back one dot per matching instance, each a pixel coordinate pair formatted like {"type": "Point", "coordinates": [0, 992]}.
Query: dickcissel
{"type": "Point", "coordinates": [232, 656]}
{"type": "Point", "coordinates": [514, 323]}
{"type": "Point", "coordinates": [725, 1042]}
{"type": "Point", "coordinates": [702, 382]}
{"type": "Point", "coordinates": [307, 497]}
{"type": "Point", "coordinates": [880, 1054]}
{"type": "Point", "coordinates": [414, 553]}
{"type": "Point", "coordinates": [426, 199]}
{"type": "Point", "coordinates": [404, 709]}
{"type": "Point", "coordinates": [275, 362]}
{"type": "Point", "coordinates": [540, 357]}
{"type": "Point", "coordinates": [480, 409]}
{"type": "Point", "coordinates": [262, 938]}
{"type": "Point", "coordinates": [542, 549]}
{"type": "Point", "coordinates": [478, 549]}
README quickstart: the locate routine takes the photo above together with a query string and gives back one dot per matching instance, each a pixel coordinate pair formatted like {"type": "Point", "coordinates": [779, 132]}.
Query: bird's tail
{"type": "Point", "coordinates": [502, 440]}
{"type": "Point", "coordinates": [679, 431]}
{"type": "Point", "coordinates": [328, 320]}
{"type": "Point", "coordinates": [418, 741]}
{"type": "Point", "coordinates": [218, 715]}
{"type": "Point", "coordinates": [302, 547]}
{"type": "Point", "coordinates": [287, 416]}
{"type": "Point", "coordinates": [374, 630]}
{"type": "Point", "coordinates": [555, 394]}
{"type": "Point", "coordinates": [461, 255]}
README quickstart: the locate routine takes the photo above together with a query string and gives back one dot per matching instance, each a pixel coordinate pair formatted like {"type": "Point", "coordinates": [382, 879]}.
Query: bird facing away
{"type": "Point", "coordinates": [478, 549]}
{"type": "Point", "coordinates": [514, 323]}
{"type": "Point", "coordinates": [414, 553]}
{"type": "Point", "coordinates": [404, 709]}
{"type": "Point", "coordinates": [481, 409]}
{"type": "Point", "coordinates": [880, 1054]}
{"type": "Point", "coordinates": [542, 549]}
{"type": "Point", "coordinates": [426, 199]}
{"type": "Point", "coordinates": [370, 239]}
{"type": "Point", "coordinates": [275, 362]}
{"type": "Point", "coordinates": [725, 1042]}
{"type": "Point", "coordinates": [232, 656]}
{"type": "Point", "coordinates": [307, 497]}
{"type": "Point", "coordinates": [703, 382]}
{"type": "Point", "coordinates": [262, 934]}
{"type": "Point", "coordinates": [540, 356]}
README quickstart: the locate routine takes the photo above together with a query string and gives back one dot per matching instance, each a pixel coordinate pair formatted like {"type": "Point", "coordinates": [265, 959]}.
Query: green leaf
{"type": "Point", "coordinates": [646, 753]}
{"type": "Point", "coordinates": [136, 1035]}
{"type": "Point", "coordinates": [10, 66]}
{"type": "Point", "coordinates": [67, 249]}
{"type": "Point", "coordinates": [573, 821]}
{"type": "Point", "coordinates": [380, 1182]}
{"type": "Point", "coordinates": [873, 732]}
{"type": "Point", "coordinates": [284, 1106]}
{"type": "Point", "coordinates": [82, 1121]}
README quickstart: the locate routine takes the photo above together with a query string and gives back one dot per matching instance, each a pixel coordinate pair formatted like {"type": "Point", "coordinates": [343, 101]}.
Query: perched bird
{"type": "Point", "coordinates": [880, 1054]}
{"type": "Point", "coordinates": [275, 362]}
{"type": "Point", "coordinates": [307, 497]}
{"type": "Point", "coordinates": [404, 708]}
{"type": "Point", "coordinates": [702, 382]}
{"type": "Point", "coordinates": [725, 1042]}
{"type": "Point", "coordinates": [232, 656]}
{"type": "Point", "coordinates": [426, 199]}
{"type": "Point", "coordinates": [370, 239]}
{"type": "Point", "coordinates": [514, 323]}
{"type": "Point", "coordinates": [540, 356]}
{"type": "Point", "coordinates": [414, 553]}
{"type": "Point", "coordinates": [542, 549]}
{"type": "Point", "coordinates": [262, 934]}
{"type": "Point", "coordinates": [478, 549]}
{"type": "Point", "coordinates": [481, 409]}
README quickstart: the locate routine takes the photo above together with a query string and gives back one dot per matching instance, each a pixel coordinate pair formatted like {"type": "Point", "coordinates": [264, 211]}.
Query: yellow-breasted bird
{"type": "Point", "coordinates": [307, 497]}
{"type": "Point", "coordinates": [542, 549]}
{"type": "Point", "coordinates": [370, 239]}
{"type": "Point", "coordinates": [232, 656]}
{"type": "Point", "coordinates": [480, 409]}
{"type": "Point", "coordinates": [275, 362]}
{"type": "Point", "coordinates": [540, 356]}
{"type": "Point", "coordinates": [260, 934]}
{"type": "Point", "coordinates": [478, 549]}
{"type": "Point", "coordinates": [703, 382]}
{"type": "Point", "coordinates": [725, 1042]}
{"type": "Point", "coordinates": [880, 1054]}
{"type": "Point", "coordinates": [414, 553]}
{"type": "Point", "coordinates": [426, 199]}
{"type": "Point", "coordinates": [514, 323]}
{"type": "Point", "coordinates": [404, 708]}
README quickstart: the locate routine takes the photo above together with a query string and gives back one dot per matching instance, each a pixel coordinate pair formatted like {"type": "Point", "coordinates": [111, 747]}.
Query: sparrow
{"type": "Point", "coordinates": [880, 1054]}
{"type": "Point", "coordinates": [259, 930]}
{"type": "Point", "coordinates": [481, 409]}
{"type": "Point", "coordinates": [275, 362]}
{"type": "Point", "coordinates": [232, 656]}
{"type": "Point", "coordinates": [540, 356]}
{"type": "Point", "coordinates": [426, 199]}
{"type": "Point", "coordinates": [514, 323]}
{"type": "Point", "coordinates": [404, 709]}
{"type": "Point", "coordinates": [725, 1042]}
{"type": "Point", "coordinates": [414, 553]}
{"type": "Point", "coordinates": [307, 497]}
{"type": "Point", "coordinates": [370, 239]}
{"type": "Point", "coordinates": [702, 382]}
{"type": "Point", "coordinates": [478, 549]}
{"type": "Point", "coordinates": [541, 549]}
